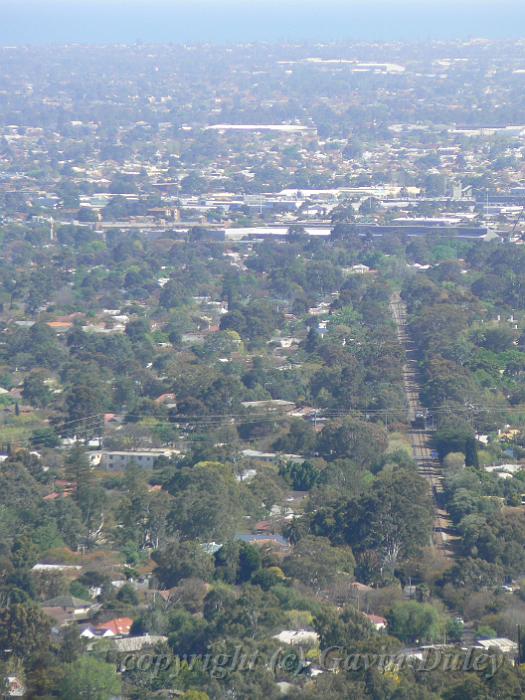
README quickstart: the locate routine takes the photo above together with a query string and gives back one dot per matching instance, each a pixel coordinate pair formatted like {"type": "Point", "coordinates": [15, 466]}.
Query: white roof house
{"type": "Point", "coordinates": [502, 644]}
{"type": "Point", "coordinates": [297, 637]}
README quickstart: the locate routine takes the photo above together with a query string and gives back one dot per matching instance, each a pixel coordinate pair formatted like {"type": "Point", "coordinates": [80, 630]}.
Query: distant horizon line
{"type": "Point", "coordinates": [299, 42]}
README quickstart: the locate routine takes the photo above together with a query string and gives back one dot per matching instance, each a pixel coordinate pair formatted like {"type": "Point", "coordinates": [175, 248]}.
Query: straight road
{"type": "Point", "coordinates": [420, 437]}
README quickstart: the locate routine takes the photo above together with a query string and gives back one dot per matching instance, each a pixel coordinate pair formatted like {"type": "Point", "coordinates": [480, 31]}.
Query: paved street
{"type": "Point", "coordinates": [420, 437]}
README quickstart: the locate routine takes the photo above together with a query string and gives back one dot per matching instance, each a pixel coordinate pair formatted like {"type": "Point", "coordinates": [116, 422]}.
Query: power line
{"type": "Point", "coordinates": [201, 422]}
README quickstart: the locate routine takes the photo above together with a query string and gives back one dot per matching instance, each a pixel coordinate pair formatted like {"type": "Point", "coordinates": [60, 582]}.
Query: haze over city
{"type": "Point", "coordinates": [262, 350]}
{"type": "Point", "coordinates": [42, 21]}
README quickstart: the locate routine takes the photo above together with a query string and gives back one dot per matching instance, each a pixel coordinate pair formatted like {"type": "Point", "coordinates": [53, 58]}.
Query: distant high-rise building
{"type": "Point", "coordinates": [457, 191]}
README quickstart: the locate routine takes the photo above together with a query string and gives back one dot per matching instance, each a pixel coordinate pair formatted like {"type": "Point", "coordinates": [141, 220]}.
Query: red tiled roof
{"type": "Point", "coordinates": [356, 585]}
{"type": "Point", "coordinates": [59, 324]}
{"type": "Point", "coordinates": [376, 619]}
{"type": "Point", "coordinates": [165, 397]}
{"type": "Point", "coordinates": [63, 484]}
{"type": "Point", "coordinates": [110, 417]}
{"type": "Point", "coordinates": [120, 625]}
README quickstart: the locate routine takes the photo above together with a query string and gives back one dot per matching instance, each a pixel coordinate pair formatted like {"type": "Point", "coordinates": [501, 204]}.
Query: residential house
{"type": "Point", "coordinates": [118, 460]}
{"type": "Point", "coordinates": [271, 456]}
{"type": "Point", "coordinates": [69, 603]}
{"type": "Point", "coordinates": [118, 627]}
{"type": "Point", "coordinates": [131, 644]}
{"type": "Point", "coordinates": [65, 609]}
{"type": "Point", "coordinates": [502, 644]}
{"type": "Point", "coordinates": [169, 400]}
{"type": "Point", "coordinates": [301, 636]}
{"type": "Point", "coordinates": [277, 541]}
{"type": "Point", "coordinates": [380, 623]}
{"type": "Point", "coordinates": [13, 687]}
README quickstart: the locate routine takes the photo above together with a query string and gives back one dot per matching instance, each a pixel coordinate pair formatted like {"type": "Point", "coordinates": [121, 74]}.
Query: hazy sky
{"type": "Point", "coordinates": [45, 21]}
